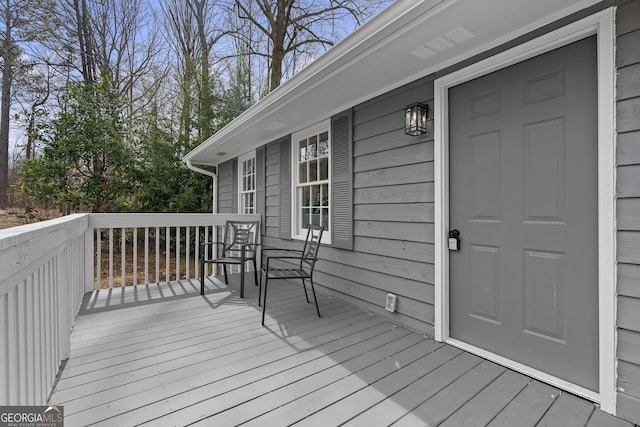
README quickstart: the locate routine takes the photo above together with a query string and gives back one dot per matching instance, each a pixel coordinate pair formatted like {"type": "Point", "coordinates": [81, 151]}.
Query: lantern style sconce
{"type": "Point", "coordinates": [415, 119]}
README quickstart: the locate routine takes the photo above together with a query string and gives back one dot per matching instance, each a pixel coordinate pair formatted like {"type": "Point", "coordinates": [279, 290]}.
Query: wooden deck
{"type": "Point", "coordinates": [162, 355]}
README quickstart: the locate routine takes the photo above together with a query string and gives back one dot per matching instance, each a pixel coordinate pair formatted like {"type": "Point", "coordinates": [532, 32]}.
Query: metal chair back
{"type": "Point", "coordinates": [310, 250]}
{"type": "Point", "coordinates": [239, 233]}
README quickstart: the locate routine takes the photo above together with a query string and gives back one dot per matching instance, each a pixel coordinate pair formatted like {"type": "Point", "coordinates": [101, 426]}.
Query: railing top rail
{"type": "Point", "coordinates": [141, 220]}
{"type": "Point", "coordinates": [24, 247]}
{"type": "Point", "coordinates": [14, 236]}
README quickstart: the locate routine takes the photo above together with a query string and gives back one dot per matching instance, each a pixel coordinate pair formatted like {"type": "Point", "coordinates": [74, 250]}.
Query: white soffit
{"type": "Point", "coordinates": [409, 40]}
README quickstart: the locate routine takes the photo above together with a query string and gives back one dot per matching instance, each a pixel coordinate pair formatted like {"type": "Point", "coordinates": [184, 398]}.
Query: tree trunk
{"type": "Point", "coordinates": [205, 101]}
{"type": "Point", "coordinates": [7, 78]}
{"type": "Point", "coordinates": [277, 57]}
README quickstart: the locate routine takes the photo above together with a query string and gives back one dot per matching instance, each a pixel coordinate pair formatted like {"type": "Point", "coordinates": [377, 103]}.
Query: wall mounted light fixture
{"type": "Point", "coordinates": [415, 119]}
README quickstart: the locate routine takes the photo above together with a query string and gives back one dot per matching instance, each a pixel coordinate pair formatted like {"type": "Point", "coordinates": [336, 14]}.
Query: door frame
{"type": "Point", "coordinates": [602, 25]}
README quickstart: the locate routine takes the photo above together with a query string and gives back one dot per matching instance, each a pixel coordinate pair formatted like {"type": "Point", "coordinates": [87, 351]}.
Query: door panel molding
{"type": "Point", "coordinates": [602, 25]}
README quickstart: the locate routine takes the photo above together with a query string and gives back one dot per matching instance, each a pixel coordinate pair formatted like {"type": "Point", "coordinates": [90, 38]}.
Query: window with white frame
{"type": "Point", "coordinates": [311, 177]}
{"type": "Point", "coordinates": [247, 183]}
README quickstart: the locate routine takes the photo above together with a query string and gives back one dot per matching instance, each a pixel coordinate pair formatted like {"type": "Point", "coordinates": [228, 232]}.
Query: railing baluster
{"type": "Point", "coordinates": [20, 345]}
{"type": "Point", "coordinates": [41, 322]}
{"type": "Point", "coordinates": [205, 273]}
{"type": "Point", "coordinates": [9, 322]}
{"type": "Point", "coordinates": [30, 338]}
{"type": "Point", "coordinates": [99, 257]}
{"type": "Point", "coordinates": [47, 316]}
{"type": "Point", "coordinates": [197, 251]}
{"type": "Point", "coordinates": [167, 253]}
{"type": "Point", "coordinates": [157, 255]}
{"type": "Point", "coordinates": [214, 250]}
{"type": "Point", "coordinates": [110, 258]}
{"type": "Point", "coordinates": [135, 256]}
{"type": "Point", "coordinates": [123, 250]}
{"type": "Point", "coordinates": [55, 310]}
{"type": "Point", "coordinates": [146, 255]}
{"type": "Point", "coordinates": [178, 251]}
{"type": "Point", "coordinates": [187, 252]}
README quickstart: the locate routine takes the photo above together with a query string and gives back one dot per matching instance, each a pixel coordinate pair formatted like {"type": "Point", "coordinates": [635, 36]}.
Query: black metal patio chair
{"type": "Point", "coordinates": [304, 263]}
{"type": "Point", "coordinates": [239, 246]}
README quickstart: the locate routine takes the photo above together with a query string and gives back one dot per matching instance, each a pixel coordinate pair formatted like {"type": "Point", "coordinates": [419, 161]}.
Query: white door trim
{"type": "Point", "coordinates": [601, 24]}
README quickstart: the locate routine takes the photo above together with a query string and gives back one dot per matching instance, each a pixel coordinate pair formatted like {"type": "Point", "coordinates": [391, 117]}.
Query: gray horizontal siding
{"type": "Point", "coordinates": [628, 150]}
{"type": "Point", "coordinates": [628, 209]}
{"type": "Point", "coordinates": [225, 187]}
{"type": "Point", "coordinates": [393, 204]}
{"type": "Point", "coordinates": [393, 214]}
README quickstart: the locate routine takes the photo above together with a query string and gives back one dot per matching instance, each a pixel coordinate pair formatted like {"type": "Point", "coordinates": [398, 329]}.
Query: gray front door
{"type": "Point", "coordinates": [523, 193]}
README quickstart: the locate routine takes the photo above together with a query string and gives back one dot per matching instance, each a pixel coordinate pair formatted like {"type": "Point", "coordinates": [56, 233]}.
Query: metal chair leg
{"type": "Point", "coordinates": [226, 278]}
{"type": "Point", "coordinates": [255, 272]}
{"type": "Point", "coordinates": [260, 290]}
{"type": "Point", "coordinates": [242, 280]}
{"type": "Point", "coordinates": [304, 286]}
{"type": "Point", "coordinates": [314, 297]}
{"type": "Point", "coordinates": [264, 301]}
{"type": "Point", "coordinates": [202, 274]}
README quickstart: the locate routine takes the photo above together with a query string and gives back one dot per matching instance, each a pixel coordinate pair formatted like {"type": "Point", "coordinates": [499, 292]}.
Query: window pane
{"type": "Point", "coordinates": [305, 218]}
{"type": "Point", "coordinates": [324, 169]}
{"type": "Point", "coordinates": [253, 182]}
{"type": "Point", "coordinates": [303, 150]}
{"type": "Point", "coordinates": [313, 143]}
{"type": "Point", "coordinates": [323, 145]}
{"type": "Point", "coordinates": [306, 196]}
{"type": "Point", "coordinates": [303, 173]}
{"type": "Point", "coordinates": [315, 217]}
{"type": "Point", "coordinates": [253, 165]}
{"type": "Point", "coordinates": [315, 195]}
{"type": "Point", "coordinates": [325, 195]}
{"type": "Point", "coordinates": [244, 168]}
{"type": "Point", "coordinates": [313, 170]}
{"type": "Point", "coordinates": [325, 219]}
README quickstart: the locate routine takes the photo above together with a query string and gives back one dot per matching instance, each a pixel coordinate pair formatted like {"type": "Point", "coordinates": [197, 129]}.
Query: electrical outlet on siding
{"type": "Point", "coordinates": [391, 303]}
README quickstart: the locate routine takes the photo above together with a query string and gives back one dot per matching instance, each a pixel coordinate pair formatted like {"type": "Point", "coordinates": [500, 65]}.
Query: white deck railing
{"type": "Point", "coordinates": [45, 269]}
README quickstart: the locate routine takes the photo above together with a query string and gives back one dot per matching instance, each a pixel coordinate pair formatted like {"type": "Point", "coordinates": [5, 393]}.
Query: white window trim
{"type": "Point", "coordinates": [323, 126]}
{"type": "Point", "coordinates": [244, 157]}
{"type": "Point", "coordinates": [602, 25]}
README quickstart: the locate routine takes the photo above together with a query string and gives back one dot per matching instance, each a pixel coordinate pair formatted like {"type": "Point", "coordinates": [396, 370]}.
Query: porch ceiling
{"type": "Point", "coordinates": [409, 40]}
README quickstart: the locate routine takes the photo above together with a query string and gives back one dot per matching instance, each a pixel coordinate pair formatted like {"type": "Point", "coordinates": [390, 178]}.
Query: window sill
{"type": "Point", "coordinates": [326, 238]}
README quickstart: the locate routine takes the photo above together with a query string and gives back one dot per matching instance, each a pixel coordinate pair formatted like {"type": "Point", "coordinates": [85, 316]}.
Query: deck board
{"type": "Point", "coordinates": [161, 354]}
{"type": "Point", "coordinates": [357, 376]}
{"type": "Point", "coordinates": [569, 411]}
{"type": "Point", "coordinates": [378, 399]}
{"type": "Point", "coordinates": [602, 419]}
{"type": "Point", "coordinates": [489, 402]}
{"type": "Point", "coordinates": [196, 350]}
{"type": "Point", "coordinates": [528, 407]}
{"type": "Point", "coordinates": [190, 391]}
{"type": "Point", "coordinates": [192, 376]}
{"type": "Point", "coordinates": [454, 396]}
{"type": "Point", "coordinates": [401, 403]}
{"type": "Point", "coordinates": [261, 381]}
